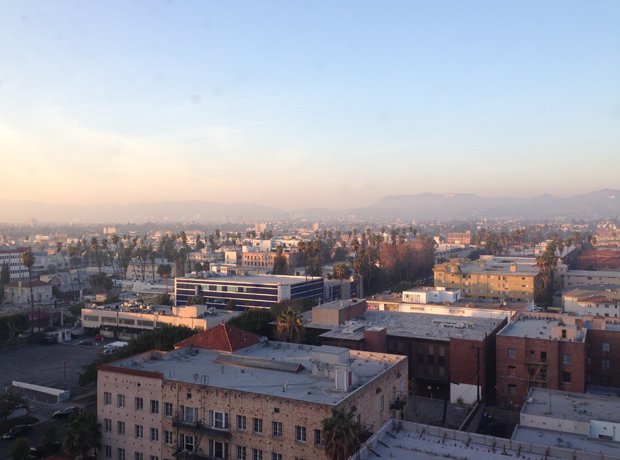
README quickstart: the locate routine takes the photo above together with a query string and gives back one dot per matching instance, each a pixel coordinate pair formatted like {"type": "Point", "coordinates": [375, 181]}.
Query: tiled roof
{"type": "Point", "coordinates": [124, 370]}
{"type": "Point", "coordinates": [26, 284]}
{"type": "Point", "coordinates": [221, 338]}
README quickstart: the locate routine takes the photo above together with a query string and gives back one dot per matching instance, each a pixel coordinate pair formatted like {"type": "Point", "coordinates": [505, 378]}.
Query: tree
{"type": "Point", "coordinates": [341, 272]}
{"type": "Point", "coordinates": [111, 298]}
{"type": "Point", "coordinates": [12, 324]}
{"type": "Point", "coordinates": [280, 265]}
{"type": "Point", "coordinates": [341, 433]}
{"type": "Point", "coordinates": [198, 300]}
{"type": "Point", "coordinates": [255, 321]}
{"type": "Point", "coordinates": [28, 261]}
{"type": "Point", "coordinates": [50, 438]}
{"type": "Point", "coordinates": [289, 326]}
{"type": "Point", "coordinates": [9, 403]}
{"type": "Point", "coordinates": [20, 449]}
{"type": "Point", "coordinates": [82, 435]}
{"type": "Point", "coordinates": [231, 305]}
{"type": "Point", "coordinates": [94, 245]}
{"type": "Point", "coordinates": [100, 283]}
{"type": "Point", "coordinates": [164, 271]}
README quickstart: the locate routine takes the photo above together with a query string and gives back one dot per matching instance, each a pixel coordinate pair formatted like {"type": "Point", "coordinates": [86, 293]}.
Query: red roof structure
{"type": "Point", "coordinates": [220, 338]}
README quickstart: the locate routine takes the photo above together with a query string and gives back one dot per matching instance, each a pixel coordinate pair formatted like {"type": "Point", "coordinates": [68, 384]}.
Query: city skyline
{"type": "Point", "coordinates": [296, 106]}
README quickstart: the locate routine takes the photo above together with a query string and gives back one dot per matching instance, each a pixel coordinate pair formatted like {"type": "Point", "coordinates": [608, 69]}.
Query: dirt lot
{"type": "Point", "coordinates": [43, 364]}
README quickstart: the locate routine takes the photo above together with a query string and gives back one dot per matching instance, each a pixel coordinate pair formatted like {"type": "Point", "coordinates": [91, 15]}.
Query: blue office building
{"type": "Point", "coordinates": [249, 291]}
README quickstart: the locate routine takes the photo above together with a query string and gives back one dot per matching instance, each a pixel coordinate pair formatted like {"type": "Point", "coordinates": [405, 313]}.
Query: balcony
{"type": "Point", "coordinates": [198, 427]}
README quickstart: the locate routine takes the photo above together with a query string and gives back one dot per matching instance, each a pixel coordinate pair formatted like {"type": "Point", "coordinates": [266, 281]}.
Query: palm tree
{"type": "Point", "coordinates": [59, 249]}
{"type": "Point", "coordinates": [28, 261]}
{"type": "Point", "coordinates": [73, 258]}
{"type": "Point", "coordinates": [341, 272]}
{"type": "Point", "coordinates": [342, 433]}
{"type": "Point", "coordinates": [115, 240]}
{"type": "Point", "coordinates": [94, 245]}
{"type": "Point", "coordinates": [290, 327]}
{"type": "Point", "coordinates": [83, 434]}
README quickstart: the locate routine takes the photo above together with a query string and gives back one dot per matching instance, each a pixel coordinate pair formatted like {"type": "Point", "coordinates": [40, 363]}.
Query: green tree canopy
{"type": "Point", "coordinates": [9, 403]}
{"type": "Point", "coordinates": [82, 435]}
{"type": "Point", "coordinates": [255, 321]}
{"type": "Point", "coordinates": [341, 433]}
{"type": "Point", "coordinates": [20, 449]}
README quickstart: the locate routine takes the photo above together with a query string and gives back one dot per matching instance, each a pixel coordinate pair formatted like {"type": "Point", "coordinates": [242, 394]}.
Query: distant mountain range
{"type": "Point", "coordinates": [425, 206]}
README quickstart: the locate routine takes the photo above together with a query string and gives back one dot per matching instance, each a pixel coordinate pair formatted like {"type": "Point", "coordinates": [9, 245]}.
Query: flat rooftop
{"type": "Point", "coordinates": [424, 442]}
{"type": "Point", "coordinates": [593, 274]}
{"type": "Point", "coordinates": [536, 328]}
{"type": "Point", "coordinates": [493, 267]}
{"type": "Point", "coordinates": [565, 440]}
{"type": "Point", "coordinates": [267, 369]}
{"type": "Point", "coordinates": [580, 407]}
{"type": "Point", "coordinates": [339, 304]}
{"type": "Point", "coordinates": [409, 324]}
{"type": "Point", "coordinates": [253, 279]}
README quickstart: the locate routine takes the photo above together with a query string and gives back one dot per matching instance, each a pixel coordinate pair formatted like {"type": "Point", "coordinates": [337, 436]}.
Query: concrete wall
{"type": "Point", "coordinates": [555, 424]}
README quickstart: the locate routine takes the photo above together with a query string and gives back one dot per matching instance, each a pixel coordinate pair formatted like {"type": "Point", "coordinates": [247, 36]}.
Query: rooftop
{"type": "Point", "coordinates": [603, 290]}
{"type": "Point", "coordinates": [597, 273]}
{"type": "Point", "coordinates": [536, 328]}
{"type": "Point", "coordinates": [494, 267]}
{"type": "Point", "coordinates": [222, 338]}
{"type": "Point", "coordinates": [565, 440]}
{"type": "Point", "coordinates": [409, 324]}
{"type": "Point", "coordinates": [580, 407]}
{"type": "Point", "coordinates": [253, 279]}
{"type": "Point", "coordinates": [269, 368]}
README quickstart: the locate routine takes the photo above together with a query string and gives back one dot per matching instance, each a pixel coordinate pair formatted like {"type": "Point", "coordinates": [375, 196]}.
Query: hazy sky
{"type": "Point", "coordinates": [307, 103]}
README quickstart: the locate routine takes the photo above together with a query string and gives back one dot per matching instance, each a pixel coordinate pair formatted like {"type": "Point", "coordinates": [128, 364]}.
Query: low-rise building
{"type": "Point", "coordinates": [240, 396]}
{"type": "Point", "coordinates": [252, 291]}
{"type": "Point", "coordinates": [18, 292]}
{"type": "Point", "coordinates": [593, 300]}
{"type": "Point", "coordinates": [13, 258]}
{"type": "Point", "coordinates": [571, 279]}
{"type": "Point", "coordinates": [265, 260]}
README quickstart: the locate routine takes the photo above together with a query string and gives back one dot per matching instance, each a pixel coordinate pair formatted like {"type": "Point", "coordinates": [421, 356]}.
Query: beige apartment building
{"type": "Point", "coordinates": [488, 278]}
{"type": "Point", "coordinates": [265, 259]}
{"type": "Point", "coordinates": [571, 279]}
{"type": "Point", "coordinates": [228, 394]}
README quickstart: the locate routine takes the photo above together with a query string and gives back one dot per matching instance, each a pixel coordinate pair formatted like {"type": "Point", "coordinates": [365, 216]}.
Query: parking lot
{"type": "Point", "coordinates": [44, 364]}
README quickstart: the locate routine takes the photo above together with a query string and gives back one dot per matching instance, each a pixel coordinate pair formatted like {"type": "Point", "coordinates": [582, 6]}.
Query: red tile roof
{"type": "Point", "coordinates": [124, 370]}
{"type": "Point", "coordinates": [26, 284]}
{"type": "Point", "coordinates": [220, 338]}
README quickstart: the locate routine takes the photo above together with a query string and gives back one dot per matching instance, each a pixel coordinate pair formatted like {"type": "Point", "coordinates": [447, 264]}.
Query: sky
{"type": "Point", "coordinates": [306, 103]}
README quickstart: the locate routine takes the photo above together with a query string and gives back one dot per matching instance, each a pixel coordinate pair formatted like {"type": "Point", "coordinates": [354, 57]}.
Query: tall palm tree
{"type": "Point", "coordinates": [28, 261]}
{"type": "Point", "coordinates": [83, 434]}
{"type": "Point", "coordinates": [94, 245]}
{"type": "Point", "coordinates": [59, 249]}
{"type": "Point", "coordinates": [73, 258]}
{"type": "Point", "coordinates": [290, 327]}
{"type": "Point", "coordinates": [115, 240]}
{"type": "Point", "coordinates": [342, 433]}
{"type": "Point", "coordinates": [164, 271]}
{"type": "Point", "coordinates": [341, 272]}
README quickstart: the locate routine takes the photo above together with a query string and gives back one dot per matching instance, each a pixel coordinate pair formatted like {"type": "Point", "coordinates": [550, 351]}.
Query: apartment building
{"type": "Point", "coordinates": [264, 260]}
{"type": "Point", "coordinates": [543, 352]}
{"type": "Point", "coordinates": [147, 271]}
{"type": "Point", "coordinates": [447, 355]}
{"type": "Point", "coordinates": [251, 291]}
{"type": "Point", "coordinates": [18, 292]}
{"type": "Point", "coordinates": [571, 279]}
{"type": "Point", "coordinates": [489, 278]}
{"type": "Point", "coordinates": [13, 258]}
{"type": "Point", "coordinates": [593, 300]}
{"type": "Point", "coordinates": [459, 238]}
{"type": "Point", "coordinates": [229, 394]}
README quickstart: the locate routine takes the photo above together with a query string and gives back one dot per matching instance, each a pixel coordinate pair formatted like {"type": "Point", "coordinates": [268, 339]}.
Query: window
{"type": "Point", "coordinates": [566, 377]}
{"type": "Point", "coordinates": [605, 363]}
{"type": "Point", "coordinates": [168, 438]}
{"type": "Point", "coordinates": [300, 433]}
{"type": "Point", "coordinates": [187, 442]}
{"type": "Point", "coordinates": [154, 457]}
{"type": "Point", "coordinates": [566, 359]}
{"type": "Point", "coordinates": [168, 409]}
{"type": "Point", "coordinates": [107, 451]}
{"type": "Point", "coordinates": [107, 425]}
{"type": "Point", "coordinates": [138, 456]}
{"type": "Point", "coordinates": [543, 356]}
{"type": "Point", "coordinates": [139, 403]}
{"type": "Point", "coordinates": [276, 429]}
{"type": "Point", "coordinates": [241, 453]}
{"type": "Point", "coordinates": [257, 454]}
{"type": "Point", "coordinates": [241, 423]}
{"type": "Point", "coordinates": [512, 370]}
{"type": "Point", "coordinates": [120, 454]}
{"type": "Point", "coordinates": [120, 400]}
{"type": "Point", "coordinates": [563, 333]}
{"type": "Point", "coordinates": [532, 354]}
{"type": "Point", "coordinates": [154, 407]}
{"type": "Point", "coordinates": [139, 431]}
{"type": "Point", "coordinates": [606, 346]}
{"type": "Point", "coordinates": [219, 420]}
{"type": "Point", "coordinates": [189, 414]}
{"type": "Point", "coordinates": [258, 426]}
{"type": "Point", "coordinates": [589, 360]}
{"type": "Point", "coordinates": [382, 403]}
{"type": "Point", "coordinates": [154, 434]}
{"type": "Point", "coordinates": [120, 427]}
{"type": "Point", "coordinates": [218, 449]}
{"type": "Point", "coordinates": [512, 389]}
{"type": "Point", "coordinates": [107, 399]}
{"type": "Point", "coordinates": [275, 456]}
{"type": "Point", "coordinates": [318, 438]}
{"type": "Point", "coordinates": [512, 353]}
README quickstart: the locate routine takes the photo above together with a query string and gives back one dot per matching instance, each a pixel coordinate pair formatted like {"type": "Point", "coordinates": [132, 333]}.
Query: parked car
{"type": "Point", "coordinates": [37, 452]}
{"type": "Point", "coordinates": [18, 431]}
{"type": "Point", "coordinates": [48, 340]}
{"type": "Point", "coordinates": [86, 343]}
{"type": "Point", "coordinates": [98, 337]}
{"type": "Point", "coordinates": [66, 412]}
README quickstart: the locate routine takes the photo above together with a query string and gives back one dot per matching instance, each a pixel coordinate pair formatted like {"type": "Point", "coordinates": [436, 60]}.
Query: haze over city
{"type": "Point", "coordinates": [298, 105]}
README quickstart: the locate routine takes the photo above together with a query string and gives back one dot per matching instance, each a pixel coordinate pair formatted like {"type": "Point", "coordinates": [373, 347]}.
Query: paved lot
{"type": "Point", "coordinates": [43, 364]}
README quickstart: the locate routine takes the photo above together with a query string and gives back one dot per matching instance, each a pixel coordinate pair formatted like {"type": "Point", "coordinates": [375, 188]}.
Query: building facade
{"type": "Point", "coordinates": [252, 291]}
{"type": "Point", "coordinates": [13, 258]}
{"type": "Point", "coordinates": [264, 260]}
{"type": "Point", "coordinates": [18, 292]}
